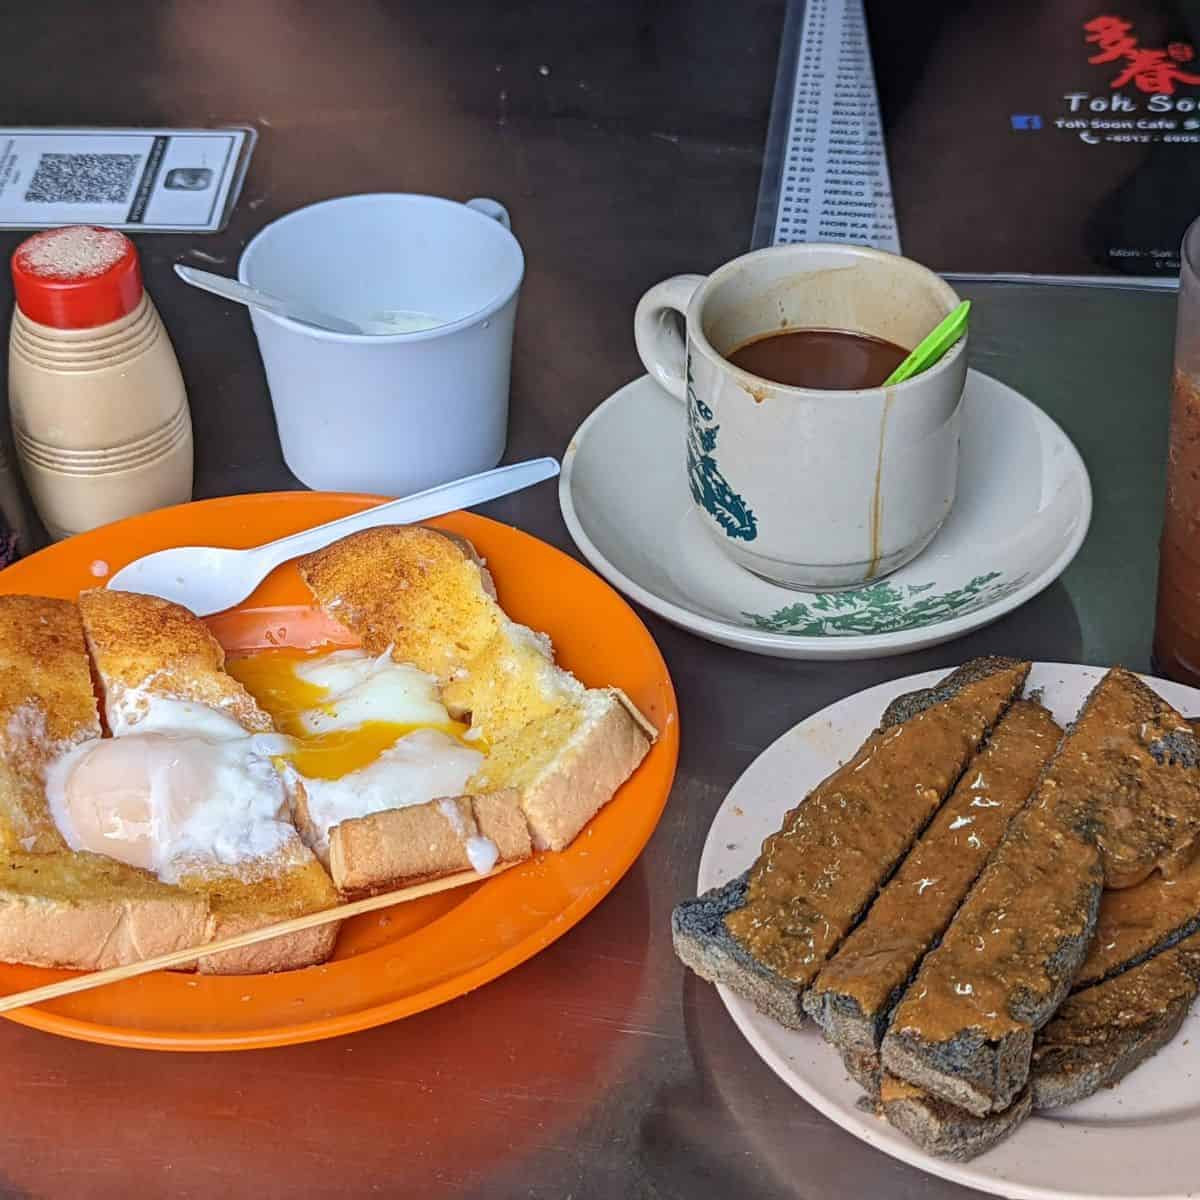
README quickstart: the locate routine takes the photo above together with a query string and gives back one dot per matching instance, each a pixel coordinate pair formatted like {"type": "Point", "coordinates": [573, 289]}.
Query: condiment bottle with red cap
{"type": "Point", "coordinates": [99, 412]}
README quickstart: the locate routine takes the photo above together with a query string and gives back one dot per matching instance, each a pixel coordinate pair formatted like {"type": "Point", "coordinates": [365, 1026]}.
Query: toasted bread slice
{"type": "Point", "coordinates": [1102, 1033]}
{"type": "Point", "coordinates": [1137, 923]}
{"type": "Point", "coordinates": [426, 841]}
{"type": "Point", "coordinates": [88, 912]}
{"type": "Point", "coordinates": [427, 597]}
{"type": "Point", "coordinates": [943, 1130]}
{"type": "Point", "coordinates": [59, 908]}
{"type": "Point", "coordinates": [240, 901]}
{"type": "Point", "coordinates": [1142, 798]}
{"type": "Point", "coordinates": [141, 645]}
{"type": "Point", "coordinates": [46, 706]}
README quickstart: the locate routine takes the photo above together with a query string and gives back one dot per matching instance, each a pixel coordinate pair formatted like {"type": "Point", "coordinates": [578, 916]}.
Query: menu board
{"type": "Point", "coordinates": [1046, 137]}
{"type": "Point", "coordinates": [834, 184]}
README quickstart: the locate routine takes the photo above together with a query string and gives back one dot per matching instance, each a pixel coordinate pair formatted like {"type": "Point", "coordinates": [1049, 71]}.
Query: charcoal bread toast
{"type": "Point", "coordinates": [865, 1069]}
{"type": "Point", "coordinates": [1101, 1033]}
{"type": "Point", "coordinates": [853, 995]}
{"type": "Point", "coordinates": [1139, 786]}
{"type": "Point", "coordinates": [561, 749]}
{"type": "Point", "coordinates": [1114, 804]}
{"type": "Point", "coordinates": [1137, 923]}
{"type": "Point", "coordinates": [964, 1029]}
{"type": "Point", "coordinates": [767, 933]}
{"type": "Point", "coordinates": [1094, 1040]}
{"type": "Point", "coordinates": [940, 1128]}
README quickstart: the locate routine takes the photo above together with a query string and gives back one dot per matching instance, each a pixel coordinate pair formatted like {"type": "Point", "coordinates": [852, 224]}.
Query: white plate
{"type": "Point", "coordinates": [1022, 511]}
{"type": "Point", "coordinates": [1136, 1140]}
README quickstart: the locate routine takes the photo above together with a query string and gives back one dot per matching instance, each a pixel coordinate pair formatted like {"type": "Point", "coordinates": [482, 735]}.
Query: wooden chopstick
{"type": "Point", "coordinates": [176, 958]}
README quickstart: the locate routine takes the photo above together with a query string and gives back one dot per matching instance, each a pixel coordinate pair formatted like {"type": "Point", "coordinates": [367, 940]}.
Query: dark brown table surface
{"type": "Point", "coordinates": [626, 140]}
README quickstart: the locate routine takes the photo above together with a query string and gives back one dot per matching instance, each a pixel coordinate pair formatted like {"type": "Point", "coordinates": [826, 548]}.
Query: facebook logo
{"type": "Point", "coordinates": [1025, 121]}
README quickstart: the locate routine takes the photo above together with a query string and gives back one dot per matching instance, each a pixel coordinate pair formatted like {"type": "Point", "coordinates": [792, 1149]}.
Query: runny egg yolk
{"type": "Point", "coordinates": [342, 709]}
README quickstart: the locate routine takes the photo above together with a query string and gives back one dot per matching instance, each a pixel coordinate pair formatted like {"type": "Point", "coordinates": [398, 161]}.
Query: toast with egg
{"type": "Point", "coordinates": [161, 671]}
{"type": "Point", "coordinates": [379, 769]}
{"type": "Point", "coordinates": [59, 908]}
{"type": "Point", "coordinates": [426, 598]}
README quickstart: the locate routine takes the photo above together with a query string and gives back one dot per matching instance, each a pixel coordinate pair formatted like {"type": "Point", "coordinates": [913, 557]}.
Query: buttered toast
{"type": "Point", "coordinates": [57, 907]}
{"type": "Point", "coordinates": [146, 651]}
{"type": "Point", "coordinates": [155, 797]}
{"type": "Point", "coordinates": [426, 598]}
{"type": "Point", "coordinates": [46, 707]}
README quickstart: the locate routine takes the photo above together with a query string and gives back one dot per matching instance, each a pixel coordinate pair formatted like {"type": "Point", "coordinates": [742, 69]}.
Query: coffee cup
{"type": "Point", "coordinates": [811, 489]}
{"type": "Point", "coordinates": [426, 400]}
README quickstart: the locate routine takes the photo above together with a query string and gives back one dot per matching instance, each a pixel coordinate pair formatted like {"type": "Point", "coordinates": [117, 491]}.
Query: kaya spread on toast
{"type": "Point", "coordinates": [852, 997]}
{"type": "Point", "coordinates": [820, 871]}
{"type": "Point", "coordinates": [1119, 799]}
{"type": "Point", "coordinates": [767, 933]}
{"type": "Point", "coordinates": [155, 797]}
{"type": "Point", "coordinates": [968, 984]}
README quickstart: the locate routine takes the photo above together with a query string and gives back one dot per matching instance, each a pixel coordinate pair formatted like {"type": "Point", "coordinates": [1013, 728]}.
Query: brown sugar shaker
{"type": "Point", "coordinates": [1177, 625]}
{"type": "Point", "coordinates": [99, 411]}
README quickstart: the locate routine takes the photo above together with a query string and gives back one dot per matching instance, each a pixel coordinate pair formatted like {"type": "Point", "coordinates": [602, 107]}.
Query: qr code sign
{"type": "Point", "coordinates": [83, 178]}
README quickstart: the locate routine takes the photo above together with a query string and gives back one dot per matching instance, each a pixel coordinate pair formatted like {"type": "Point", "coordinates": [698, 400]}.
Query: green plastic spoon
{"type": "Point", "coordinates": [932, 346]}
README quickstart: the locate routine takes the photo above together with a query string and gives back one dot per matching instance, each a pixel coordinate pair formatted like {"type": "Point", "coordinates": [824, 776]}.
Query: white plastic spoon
{"type": "Point", "coordinates": [208, 579]}
{"type": "Point", "coordinates": [231, 289]}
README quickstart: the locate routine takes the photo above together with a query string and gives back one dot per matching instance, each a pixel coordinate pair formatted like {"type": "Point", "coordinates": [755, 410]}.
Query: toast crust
{"type": "Point", "coordinates": [807, 889]}
{"type": "Point", "coordinates": [403, 846]}
{"type": "Point", "coordinates": [47, 705]}
{"type": "Point", "coordinates": [87, 912]}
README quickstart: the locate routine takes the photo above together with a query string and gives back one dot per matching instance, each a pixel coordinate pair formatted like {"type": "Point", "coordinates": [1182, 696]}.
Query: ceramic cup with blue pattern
{"type": "Point", "coordinates": [810, 489]}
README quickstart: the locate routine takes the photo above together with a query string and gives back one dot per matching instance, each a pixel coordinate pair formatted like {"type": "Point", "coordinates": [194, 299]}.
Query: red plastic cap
{"type": "Point", "coordinates": [77, 278]}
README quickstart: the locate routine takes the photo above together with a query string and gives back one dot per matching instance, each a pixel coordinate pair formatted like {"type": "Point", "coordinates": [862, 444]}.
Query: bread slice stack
{"type": "Point", "coordinates": [141, 646]}
{"type": "Point", "coordinates": [66, 908]}
{"type": "Point", "coordinates": [73, 676]}
{"type": "Point", "coordinates": [1036, 940]}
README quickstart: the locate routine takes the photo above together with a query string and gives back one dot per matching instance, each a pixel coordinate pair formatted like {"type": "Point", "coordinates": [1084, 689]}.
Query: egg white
{"type": "Point", "coordinates": [358, 689]}
{"type": "Point", "coordinates": [180, 786]}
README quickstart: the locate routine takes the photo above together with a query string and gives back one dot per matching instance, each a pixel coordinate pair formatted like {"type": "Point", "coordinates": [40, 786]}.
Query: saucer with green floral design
{"type": "Point", "coordinates": [1021, 513]}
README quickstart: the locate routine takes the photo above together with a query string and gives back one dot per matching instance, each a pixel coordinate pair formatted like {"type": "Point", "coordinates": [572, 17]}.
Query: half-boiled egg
{"type": "Point", "coordinates": [366, 734]}
{"type": "Point", "coordinates": [185, 787]}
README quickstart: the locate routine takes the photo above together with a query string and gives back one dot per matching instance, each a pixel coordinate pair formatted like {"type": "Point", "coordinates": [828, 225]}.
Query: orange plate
{"type": "Point", "coordinates": [417, 955]}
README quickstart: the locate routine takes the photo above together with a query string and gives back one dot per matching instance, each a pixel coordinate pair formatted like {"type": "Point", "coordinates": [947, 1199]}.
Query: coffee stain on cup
{"type": "Point", "coordinates": [877, 497]}
{"type": "Point", "coordinates": [757, 392]}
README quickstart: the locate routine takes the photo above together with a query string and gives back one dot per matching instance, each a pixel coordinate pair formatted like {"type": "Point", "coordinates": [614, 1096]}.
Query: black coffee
{"type": "Point", "coordinates": [826, 359]}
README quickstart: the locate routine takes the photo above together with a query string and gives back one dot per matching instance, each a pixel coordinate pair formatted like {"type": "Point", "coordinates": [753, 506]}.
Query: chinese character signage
{"type": "Point", "coordinates": [1060, 137]}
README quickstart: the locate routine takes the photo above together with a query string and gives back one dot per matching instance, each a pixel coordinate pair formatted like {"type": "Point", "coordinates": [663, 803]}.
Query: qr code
{"type": "Point", "coordinates": [83, 178]}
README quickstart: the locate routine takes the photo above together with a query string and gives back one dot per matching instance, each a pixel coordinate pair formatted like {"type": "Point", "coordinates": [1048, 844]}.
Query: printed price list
{"type": "Point", "coordinates": [835, 185]}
